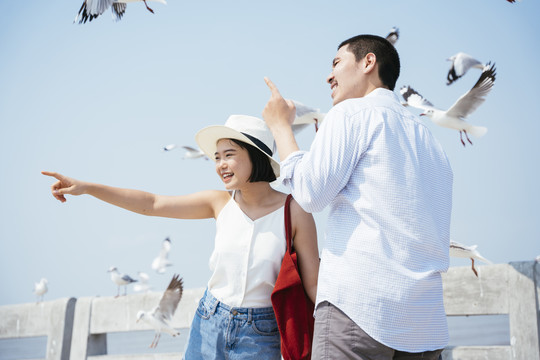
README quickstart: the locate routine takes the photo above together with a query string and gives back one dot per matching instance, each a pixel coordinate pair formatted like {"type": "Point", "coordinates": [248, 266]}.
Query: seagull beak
{"type": "Point", "coordinates": [422, 114]}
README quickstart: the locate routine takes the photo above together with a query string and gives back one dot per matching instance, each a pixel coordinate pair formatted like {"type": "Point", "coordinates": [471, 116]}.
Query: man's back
{"type": "Point", "coordinates": [389, 187]}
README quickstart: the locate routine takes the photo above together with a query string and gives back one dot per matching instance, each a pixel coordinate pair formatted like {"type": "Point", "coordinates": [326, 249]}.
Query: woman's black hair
{"type": "Point", "coordinates": [261, 166]}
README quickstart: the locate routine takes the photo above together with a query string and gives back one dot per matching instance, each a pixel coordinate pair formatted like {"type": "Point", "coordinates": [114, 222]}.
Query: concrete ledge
{"type": "Point", "coordinates": [499, 289]}
{"type": "Point", "coordinates": [53, 319]}
{"type": "Point", "coordinates": [95, 317]}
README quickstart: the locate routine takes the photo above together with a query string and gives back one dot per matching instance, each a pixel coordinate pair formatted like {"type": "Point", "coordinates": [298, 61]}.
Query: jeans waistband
{"type": "Point", "coordinates": [214, 305]}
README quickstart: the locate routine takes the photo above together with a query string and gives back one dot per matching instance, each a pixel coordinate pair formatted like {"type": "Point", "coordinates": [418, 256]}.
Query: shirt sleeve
{"type": "Point", "coordinates": [317, 176]}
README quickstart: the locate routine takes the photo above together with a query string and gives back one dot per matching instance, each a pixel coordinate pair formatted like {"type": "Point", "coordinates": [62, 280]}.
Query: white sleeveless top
{"type": "Point", "coordinates": [247, 256]}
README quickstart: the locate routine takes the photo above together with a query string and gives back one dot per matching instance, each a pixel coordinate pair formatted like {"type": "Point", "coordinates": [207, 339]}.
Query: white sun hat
{"type": "Point", "coordinates": [248, 129]}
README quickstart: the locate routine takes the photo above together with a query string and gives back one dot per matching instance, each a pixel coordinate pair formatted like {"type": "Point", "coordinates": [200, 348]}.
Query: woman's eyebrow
{"type": "Point", "coordinates": [226, 151]}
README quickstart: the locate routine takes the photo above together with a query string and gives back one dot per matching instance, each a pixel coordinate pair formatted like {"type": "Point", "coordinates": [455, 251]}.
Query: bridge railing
{"type": "Point", "coordinates": [77, 329]}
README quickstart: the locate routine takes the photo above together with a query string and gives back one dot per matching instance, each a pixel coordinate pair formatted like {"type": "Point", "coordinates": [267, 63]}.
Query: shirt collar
{"type": "Point", "coordinates": [383, 92]}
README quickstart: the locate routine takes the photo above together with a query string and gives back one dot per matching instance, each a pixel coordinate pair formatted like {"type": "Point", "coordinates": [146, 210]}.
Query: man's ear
{"type": "Point", "coordinates": [370, 60]}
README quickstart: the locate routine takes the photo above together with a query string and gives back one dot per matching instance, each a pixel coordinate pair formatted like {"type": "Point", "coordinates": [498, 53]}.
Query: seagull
{"type": "Point", "coordinates": [464, 251]}
{"type": "Point", "coordinates": [393, 35]}
{"type": "Point", "coordinates": [161, 261]}
{"type": "Point", "coordinates": [306, 115]}
{"type": "Point", "coordinates": [191, 153]}
{"type": "Point", "coordinates": [454, 117]}
{"type": "Point", "coordinates": [142, 285]}
{"type": "Point", "coordinates": [120, 279]}
{"type": "Point", "coordinates": [169, 147]}
{"type": "Point", "coordinates": [461, 63]}
{"type": "Point", "coordinates": [160, 316]}
{"type": "Point", "coordinates": [40, 289]}
{"type": "Point", "coordinates": [91, 9]}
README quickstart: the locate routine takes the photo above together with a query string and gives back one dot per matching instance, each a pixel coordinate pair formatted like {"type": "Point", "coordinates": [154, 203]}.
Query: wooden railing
{"type": "Point", "coordinates": [77, 329]}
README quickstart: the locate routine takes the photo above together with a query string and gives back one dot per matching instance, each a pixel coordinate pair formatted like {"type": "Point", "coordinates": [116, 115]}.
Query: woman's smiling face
{"type": "Point", "coordinates": [233, 164]}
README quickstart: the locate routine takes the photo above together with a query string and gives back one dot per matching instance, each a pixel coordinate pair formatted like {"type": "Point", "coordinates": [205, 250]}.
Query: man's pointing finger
{"type": "Point", "coordinates": [272, 86]}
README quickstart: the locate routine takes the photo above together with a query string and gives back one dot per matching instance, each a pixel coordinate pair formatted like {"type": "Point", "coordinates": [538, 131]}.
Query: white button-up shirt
{"type": "Point", "coordinates": [389, 187]}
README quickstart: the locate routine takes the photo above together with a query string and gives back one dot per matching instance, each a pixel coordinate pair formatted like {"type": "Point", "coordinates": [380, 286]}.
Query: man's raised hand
{"type": "Point", "coordinates": [278, 111]}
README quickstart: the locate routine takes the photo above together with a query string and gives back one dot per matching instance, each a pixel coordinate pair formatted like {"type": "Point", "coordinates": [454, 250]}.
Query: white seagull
{"type": "Point", "coordinates": [454, 117]}
{"type": "Point", "coordinates": [190, 152]}
{"type": "Point", "coordinates": [40, 289]}
{"type": "Point", "coordinates": [142, 285]}
{"type": "Point", "coordinates": [464, 251]}
{"type": "Point", "coordinates": [91, 9]}
{"type": "Point", "coordinates": [160, 316]}
{"type": "Point", "coordinates": [306, 115]}
{"type": "Point", "coordinates": [160, 263]}
{"type": "Point", "coordinates": [461, 63]}
{"type": "Point", "coordinates": [393, 35]}
{"type": "Point", "coordinates": [120, 279]}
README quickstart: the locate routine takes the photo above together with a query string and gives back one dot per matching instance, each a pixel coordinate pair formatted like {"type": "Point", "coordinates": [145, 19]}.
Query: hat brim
{"type": "Point", "coordinates": [208, 138]}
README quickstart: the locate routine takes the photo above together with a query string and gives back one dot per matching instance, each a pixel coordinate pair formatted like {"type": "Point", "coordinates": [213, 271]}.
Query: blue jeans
{"type": "Point", "coordinates": [221, 332]}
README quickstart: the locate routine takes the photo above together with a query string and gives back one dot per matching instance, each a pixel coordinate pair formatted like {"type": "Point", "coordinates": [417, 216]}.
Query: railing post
{"type": "Point", "coordinates": [523, 310]}
{"type": "Point", "coordinates": [85, 344]}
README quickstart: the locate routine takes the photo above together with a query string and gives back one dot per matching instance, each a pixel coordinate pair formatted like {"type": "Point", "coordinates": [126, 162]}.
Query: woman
{"type": "Point", "coordinates": [235, 317]}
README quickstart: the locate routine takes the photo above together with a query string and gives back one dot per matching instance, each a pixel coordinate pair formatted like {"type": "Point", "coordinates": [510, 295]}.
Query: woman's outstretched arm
{"type": "Point", "coordinates": [200, 205]}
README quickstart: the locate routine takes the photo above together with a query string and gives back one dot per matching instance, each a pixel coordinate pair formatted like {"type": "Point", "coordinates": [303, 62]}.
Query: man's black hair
{"type": "Point", "coordinates": [385, 52]}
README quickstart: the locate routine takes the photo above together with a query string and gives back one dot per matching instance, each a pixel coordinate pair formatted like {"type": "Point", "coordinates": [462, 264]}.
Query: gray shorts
{"type": "Point", "coordinates": [336, 336]}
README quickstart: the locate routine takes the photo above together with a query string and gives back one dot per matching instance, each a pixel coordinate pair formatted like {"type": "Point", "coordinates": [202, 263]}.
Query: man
{"type": "Point", "coordinates": [389, 187]}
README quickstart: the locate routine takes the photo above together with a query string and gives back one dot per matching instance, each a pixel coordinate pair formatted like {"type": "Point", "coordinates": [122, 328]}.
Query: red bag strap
{"type": "Point", "coordinates": [288, 231]}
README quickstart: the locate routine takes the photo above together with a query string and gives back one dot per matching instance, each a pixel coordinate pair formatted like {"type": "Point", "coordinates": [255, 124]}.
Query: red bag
{"type": "Point", "coordinates": [292, 306]}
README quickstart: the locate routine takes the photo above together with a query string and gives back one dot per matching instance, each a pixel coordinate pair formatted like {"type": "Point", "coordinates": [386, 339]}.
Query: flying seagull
{"type": "Point", "coordinates": [393, 35]}
{"type": "Point", "coordinates": [91, 9]}
{"type": "Point", "coordinates": [40, 289]}
{"type": "Point", "coordinates": [120, 279]}
{"type": "Point", "coordinates": [160, 316]}
{"type": "Point", "coordinates": [306, 115]}
{"type": "Point", "coordinates": [461, 63]}
{"type": "Point", "coordinates": [190, 152]}
{"type": "Point", "coordinates": [464, 251]}
{"type": "Point", "coordinates": [161, 261]}
{"type": "Point", "coordinates": [142, 285]}
{"type": "Point", "coordinates": [454, 117]}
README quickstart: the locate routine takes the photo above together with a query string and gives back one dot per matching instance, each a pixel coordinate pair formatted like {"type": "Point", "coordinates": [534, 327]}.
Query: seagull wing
{"type": "Point", "coordinates": [170, 299]}
{"type": "Point", "coordinates": [468, 102]}
{"type": "Point", "coordinates": [118, 10]}
{"type": "Point", "coordinates": [191, 149]}
{"type": "Point", "coordinates": [192, 153]}
{"type": "Point", "coordinates": [480, 257]}
{"type": "Point", "coordinates": [302, 109]}
{"type": "Point", "coordinates": [128, 278]}
{"type": "Point", "coordinates": [463, 63]}
{"type": "Point", "coordinates": [305, 115]}
{"type": "Point", "coordinates": [91, 9]}
{"type": "Point", "coordinates": [414, 99]}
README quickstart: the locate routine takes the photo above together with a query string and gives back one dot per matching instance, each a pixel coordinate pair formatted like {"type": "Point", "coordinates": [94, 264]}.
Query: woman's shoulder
{"type": "Point", "coordinates": [217, 199]}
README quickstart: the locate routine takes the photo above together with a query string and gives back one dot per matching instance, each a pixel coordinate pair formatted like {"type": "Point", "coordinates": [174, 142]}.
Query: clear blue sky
{"type": "Point", "coordinates": [98, 101]}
